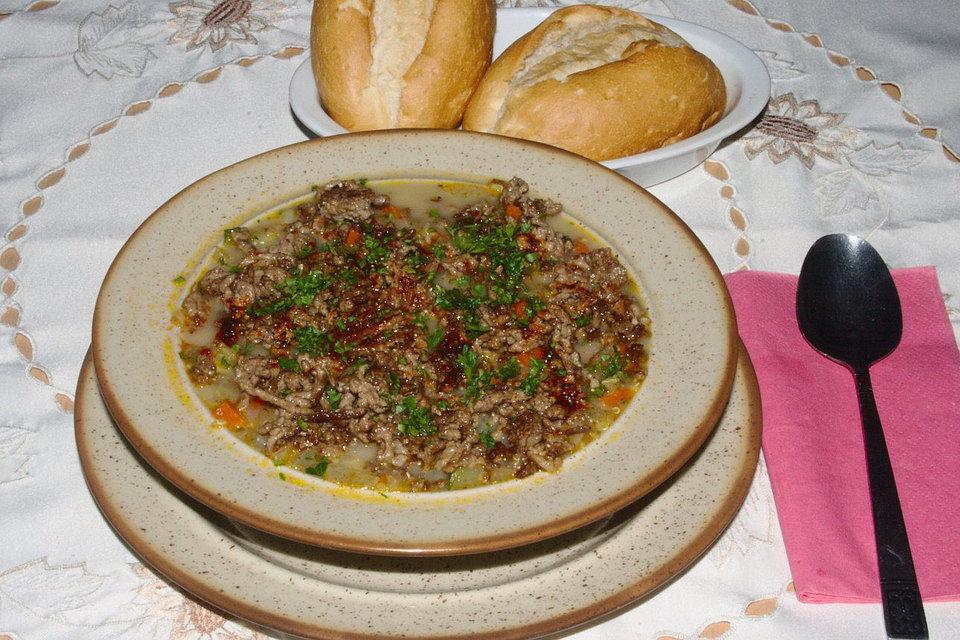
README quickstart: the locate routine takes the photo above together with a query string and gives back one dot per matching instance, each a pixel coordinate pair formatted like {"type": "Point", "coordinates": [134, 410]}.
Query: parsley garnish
{"type": "Point", "coordinates": [509, 369]}
{"type": "Point", "coordinates": [320, 468]}
{"type": "Point", "coordinates": [296, 291]}
{"type": "Point", "coordinates": [343, 346]}
{"type": "Point", "coordinates": [532, 381]}
{"type": "Point", "coordinates": [474, 326]}
{"type": "Point", "coordinates": [311, 340]}
{"type": "Point", "coordinates": [228, 234]}
{"type": "Point", "coordinates": [486, 437]}
{"type": "Point", "coordinates": [433, 339]}
{"type": "Point", "coordinates": [377, 252]}
{"type": "Point", "coordinates": [415, 420]}
{"type": "Point", "coordinates": [474, 376]}
{"type": "Point", "coordinates": [609, 365]}
{"type": "Point", "coordinates": [290, 364]}
{"type": "Point", "coordinates": [333, 397]}
{"type": "Point", "coordinates": [305, 251]}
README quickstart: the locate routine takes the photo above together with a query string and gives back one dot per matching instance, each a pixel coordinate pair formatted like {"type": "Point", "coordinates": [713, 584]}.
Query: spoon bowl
{"type": "Point", "coordinates": [847, 303]}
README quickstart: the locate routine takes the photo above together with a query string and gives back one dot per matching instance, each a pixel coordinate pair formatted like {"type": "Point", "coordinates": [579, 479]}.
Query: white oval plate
{"type": "Point", "coordinates": [746, 78]}
{"type": "Point", "coordinates": [691, 364]}
{"type": "Point", "coordinates": [518, 593]}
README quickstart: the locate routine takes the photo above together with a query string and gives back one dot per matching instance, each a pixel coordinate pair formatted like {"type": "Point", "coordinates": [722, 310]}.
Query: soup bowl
{"type": "Point", "coordinates": [692, 351]}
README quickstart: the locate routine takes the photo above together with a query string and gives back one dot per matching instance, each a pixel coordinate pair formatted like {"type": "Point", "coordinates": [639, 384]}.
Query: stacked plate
{"type": "Point", "coordinates": [525, 557]}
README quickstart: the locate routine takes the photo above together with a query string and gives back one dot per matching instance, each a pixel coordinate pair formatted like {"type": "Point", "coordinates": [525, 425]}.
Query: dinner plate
{"type": "Point", "coordinates": [526, 591]}
{"type": "Point", "coordinates": [744, 74]}
{"type": "Point", "coordinates": [692, 351]}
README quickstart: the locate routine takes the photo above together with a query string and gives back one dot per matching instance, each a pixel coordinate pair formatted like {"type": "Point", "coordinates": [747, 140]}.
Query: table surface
{"type": "Point", "coordinates": [109, 108]}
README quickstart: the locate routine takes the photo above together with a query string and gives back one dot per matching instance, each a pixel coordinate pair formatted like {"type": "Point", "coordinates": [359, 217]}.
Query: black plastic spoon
{"type": "Point", "coordinates": [849, 310]}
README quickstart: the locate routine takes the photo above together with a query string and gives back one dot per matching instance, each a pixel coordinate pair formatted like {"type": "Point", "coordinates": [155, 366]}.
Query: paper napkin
{"type": "Point", "coordinates": [813, 441]}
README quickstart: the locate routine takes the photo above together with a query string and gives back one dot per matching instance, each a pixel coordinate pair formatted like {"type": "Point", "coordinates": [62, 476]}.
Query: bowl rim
{"type": "Point", "coordinates": [740, 67]}
{"type": "Point", "coordinates": [104, 330]}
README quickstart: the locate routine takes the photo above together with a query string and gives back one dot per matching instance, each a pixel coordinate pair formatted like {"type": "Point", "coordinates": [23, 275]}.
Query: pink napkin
{"type": "Point", "coordinates": [813, 442]}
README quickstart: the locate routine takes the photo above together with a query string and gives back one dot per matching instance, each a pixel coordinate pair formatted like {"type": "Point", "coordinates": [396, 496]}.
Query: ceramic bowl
{"type": "Point", "coordinates": [693, 351]}
{"type": "Point", "coordinates": [744, 74]}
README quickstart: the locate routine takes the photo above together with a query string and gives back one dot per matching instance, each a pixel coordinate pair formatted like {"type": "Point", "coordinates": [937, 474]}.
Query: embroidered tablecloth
{"type": "Point", "coordinates": [109, 107]}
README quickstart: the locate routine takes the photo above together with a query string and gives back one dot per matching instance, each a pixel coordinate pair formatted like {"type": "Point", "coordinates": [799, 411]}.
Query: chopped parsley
{"type": "Point", "coordinates": [305, 251]}
{"type": "Point", "coordinates": [296, 291]}
{"type": "Point", "coordinates": [434, 338]}
{"type": "Point", "coordinates": [414, 420]}
{"type": "Point", "coordinates": [486, 438]}
{"type": "Point", "coordinates": [377, 253]}
{"type": "Point", "coordinates": [532, 381]}
{"type": "Point", "coordinates": [320, 468]}
{"type": "Point", "coordinates": [343, 346]}
{"type": "Point", "coordinates": [311, 340]}
{"type": "Point", "coordinates": [290, 364]}
{"type": "Point", "coordinates": [509, 370]}
{"type": "Point", "coordinates": [228, 234]}
{"type": "Point", "coordinates": [609, 365]}
{"type": "Point", "coordinates": [333, 397]}
{"type": "Point", "coordinates": [475, 378]}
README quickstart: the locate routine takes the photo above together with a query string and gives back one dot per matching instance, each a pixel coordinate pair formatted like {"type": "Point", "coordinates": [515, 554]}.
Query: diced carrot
{"type": "Point", "coordinates": [579, 247]}
{"type": "Point", "coordinates": [228, 412]}
{"type": "Point", "coordinates": [353, 236]}
{"type": "Point", "coordinates": [393, 211]}
{"type": "Point", "coordinates": [616, 397]}
{"type": "Point", "coordinates": [514, 211]}
{"type": "Point", "coordinates": [519, 308]}
{"type": "Point", "coordinates": [525, 357]}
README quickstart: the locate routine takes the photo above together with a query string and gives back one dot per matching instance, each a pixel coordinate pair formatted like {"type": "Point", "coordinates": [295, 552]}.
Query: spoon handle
{"type": "Point", "coordinates": [902, 608]}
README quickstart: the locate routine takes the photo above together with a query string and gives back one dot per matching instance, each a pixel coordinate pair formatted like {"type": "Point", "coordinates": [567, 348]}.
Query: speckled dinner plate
{"type": "Point", "coordinates": [521, 592]}
{"type": "Point", "coordinates": [693, 351]}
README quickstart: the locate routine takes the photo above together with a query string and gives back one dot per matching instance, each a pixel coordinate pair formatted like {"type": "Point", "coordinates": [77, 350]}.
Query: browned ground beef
{"type": "Point", "coordinates": [461, 347]}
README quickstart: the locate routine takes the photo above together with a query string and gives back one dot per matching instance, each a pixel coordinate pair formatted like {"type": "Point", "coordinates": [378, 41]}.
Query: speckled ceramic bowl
{"type": "Point", "coordinates": [693, 352]}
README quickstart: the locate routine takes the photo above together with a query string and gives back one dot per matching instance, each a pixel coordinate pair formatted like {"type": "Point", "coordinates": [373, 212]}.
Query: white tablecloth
{"type": "Point", "coordinates": [109, 107]}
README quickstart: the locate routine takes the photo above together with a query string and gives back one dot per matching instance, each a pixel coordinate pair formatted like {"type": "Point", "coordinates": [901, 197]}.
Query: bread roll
{"type": "Point", "coordinates": [599, 81]}
{"type": "Point", "coordinates": [383, 64]}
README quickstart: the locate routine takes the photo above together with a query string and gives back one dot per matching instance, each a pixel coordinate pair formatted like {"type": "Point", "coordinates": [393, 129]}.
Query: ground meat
{"type": "Point", "coordinates": [487, 340]}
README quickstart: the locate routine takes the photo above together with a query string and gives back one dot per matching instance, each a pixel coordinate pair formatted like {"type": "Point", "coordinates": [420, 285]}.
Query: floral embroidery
{"type": "Point", "coordinates": [190, 619]}
{"type": "Point", "coordinates": [112, 43]}
{"type": "Point", "coordinates": [801, 130]}
{"type": "Point", "coordinates": [754, 523]}
{"type": "Point", "coordinates": [15, 453]}
{"type": "Point", "coordinates": [779, 68]}
{"type": "Point", "coordinates": [199, 22]}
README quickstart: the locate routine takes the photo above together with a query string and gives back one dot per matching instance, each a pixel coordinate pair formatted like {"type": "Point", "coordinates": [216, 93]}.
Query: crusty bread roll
{"type": "Point", "coordinates": [599, 81]}
{"type": "Point", "coordinates": [383, 64]}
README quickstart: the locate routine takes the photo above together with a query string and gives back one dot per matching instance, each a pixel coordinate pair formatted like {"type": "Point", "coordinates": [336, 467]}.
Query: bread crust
{"type": "Point", "coordinates": [364, 83]}
{"type": "Point", "coordinates": [600, 81]}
